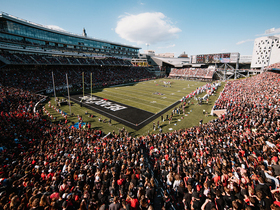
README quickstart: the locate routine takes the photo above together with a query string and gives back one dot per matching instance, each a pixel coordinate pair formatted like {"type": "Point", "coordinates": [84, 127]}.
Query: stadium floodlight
{"type": "Point", "coordinates": [272, 38]}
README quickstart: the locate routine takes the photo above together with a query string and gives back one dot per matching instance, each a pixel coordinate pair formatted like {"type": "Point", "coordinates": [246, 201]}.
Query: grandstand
{"type": "Point", "coordinates": [203, 74]}
{"type": "Point", "coordinates": [17, 58]}
{"type": "Point", "coordinates": [205, 67]}
{"type": "Point", "coordinates": [34, 51]}
{"type": "Point", "coordinates": [273, 67]}
{"type": "Point", "coordinates": [24, 36]}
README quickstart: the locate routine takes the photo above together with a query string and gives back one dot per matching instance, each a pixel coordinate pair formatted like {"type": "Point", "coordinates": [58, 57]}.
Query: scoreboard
{"type": "Point", "coordinates": [216, 58]}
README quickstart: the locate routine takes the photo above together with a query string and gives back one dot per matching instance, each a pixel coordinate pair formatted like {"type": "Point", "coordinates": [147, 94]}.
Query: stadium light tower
{"type": "Point", "coordinates": [147, 44]}
{"type": "Point", "coordinates": [272, 39]}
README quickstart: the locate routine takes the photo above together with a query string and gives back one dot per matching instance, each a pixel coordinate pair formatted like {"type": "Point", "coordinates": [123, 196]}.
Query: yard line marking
{"type": "Point", "coordinates": [133, 101]}
{"type": "Point", "coordinates": [147, 94]}
{"type": "Point", "coordinates": [158, 113]}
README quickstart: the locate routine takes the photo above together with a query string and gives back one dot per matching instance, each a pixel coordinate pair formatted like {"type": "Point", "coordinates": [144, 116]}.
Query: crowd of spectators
{"type": "Point", "coordinates": [37, 79]}
{"type": "Point", "coordinates": [52, 166]}
{"type": "Point", "coordinates": [32, 58]}
{"type": "Point", "coordinates": [192, 73]}
{"type": "Point", "coordinates": [273, 66]}
{"type": "Point", "coordinates": [231, 162]}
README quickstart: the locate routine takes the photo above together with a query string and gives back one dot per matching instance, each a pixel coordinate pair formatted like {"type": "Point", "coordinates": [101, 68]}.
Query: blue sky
{"type": "Point", "coordinates": [190, 26]}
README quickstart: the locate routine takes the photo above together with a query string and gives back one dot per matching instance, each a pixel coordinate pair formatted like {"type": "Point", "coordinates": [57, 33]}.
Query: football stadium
{"type": "Point", "coordinates": [89, 124]}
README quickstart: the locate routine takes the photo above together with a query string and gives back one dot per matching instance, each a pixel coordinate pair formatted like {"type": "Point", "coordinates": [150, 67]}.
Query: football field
{"type": "Point", "coordinates": [137, 106]}
{"type": "Point", "coordinates": [152, 96]}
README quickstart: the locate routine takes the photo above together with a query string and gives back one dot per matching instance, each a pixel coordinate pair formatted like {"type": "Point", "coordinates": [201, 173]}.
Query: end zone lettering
{"type": "Point", "coordinates": [100, 102]}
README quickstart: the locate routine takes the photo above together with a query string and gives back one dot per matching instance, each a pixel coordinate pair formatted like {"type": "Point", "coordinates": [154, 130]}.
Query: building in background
{"type": "Point", "coordinates": [183, 55]}
{"type": "Point", "coordinates": [266, 51]}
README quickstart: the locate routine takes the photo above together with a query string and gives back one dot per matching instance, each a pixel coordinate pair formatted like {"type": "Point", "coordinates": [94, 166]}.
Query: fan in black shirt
{"type": "Point", "coordinates": [166, 200]}
{"type": "Point", "coordinates": [196, 201]}
{"type": "Point", "coordinates": [220, 203]}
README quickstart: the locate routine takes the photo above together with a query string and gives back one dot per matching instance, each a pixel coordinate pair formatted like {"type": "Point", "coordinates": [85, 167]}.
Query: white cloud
{"type": "Point", "coordinates": [270, 31]}
{"type": "Point", "coordinates": [146, 28]}
{"type": "Point", "coordinates": [244, 41]}
{"type": "Point", "coordinates": [169, 46]}
{"type": "Point", "coordinates": [55, 27]}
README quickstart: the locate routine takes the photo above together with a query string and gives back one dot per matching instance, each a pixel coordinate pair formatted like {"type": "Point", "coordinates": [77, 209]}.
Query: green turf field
{"type": "Point", "coordinates": [145, 95]}
{"type": "Point", "coordinates": [151, 96]}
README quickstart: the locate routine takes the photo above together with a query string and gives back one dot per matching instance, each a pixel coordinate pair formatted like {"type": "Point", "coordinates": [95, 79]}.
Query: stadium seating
{"type": "Point", "coordinates": [42, 59]}
{"type": "Point", "coordinates": [231, 162]}
{"type": "Point", "coordinates": [273, 66]}
{"type": "Point", "coordinates": [41, 79]}
{"type": "Point", "coordinates": [192, 73]}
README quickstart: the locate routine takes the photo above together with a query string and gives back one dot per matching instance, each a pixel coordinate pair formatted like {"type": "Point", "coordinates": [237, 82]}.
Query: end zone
{"type": "Point", "coordinates": [127, 115]}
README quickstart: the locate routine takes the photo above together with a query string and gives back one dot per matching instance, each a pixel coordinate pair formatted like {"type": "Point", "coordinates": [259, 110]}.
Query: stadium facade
{"type": "Point", "coordinates": [266, 51]}
{"type": "Point", "coordinates": [21, 35]}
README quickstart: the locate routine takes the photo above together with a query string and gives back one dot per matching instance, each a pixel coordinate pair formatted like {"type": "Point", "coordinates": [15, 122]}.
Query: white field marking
{"type": "Point", "coordinates": [138, 88]}
{"type": "Point", "coordinates": [117, 88]}
{"type": "Point", "coordinates": [105, 112]}
{"type": "Point", "coordinates": [147, 95]}
{"type": "Point", "coordinates": [178, 90]}
{"type": "Point", "coordinates": [184, 88]}
{"type": "Point", "coordinates": [163, 97]}
{"type": "Point", "coordinates": [172, 94]}
{"type": "Point", "coordinates": [142, 103]}
{"type": "Point", "coordinates": [143, 89]}
{"type": "Point", "coordinates": [153, 102]}
{"type": "Point", "coordinates": [132, 100]}
{"type": "Point", "coordinates": [170, 129]}
{"type": "Point", "coordinates": [167, 108]}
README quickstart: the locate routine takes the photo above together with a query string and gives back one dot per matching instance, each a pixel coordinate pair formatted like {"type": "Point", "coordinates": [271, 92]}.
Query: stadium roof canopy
{"type": "Point", "coordinates": [176, 62]}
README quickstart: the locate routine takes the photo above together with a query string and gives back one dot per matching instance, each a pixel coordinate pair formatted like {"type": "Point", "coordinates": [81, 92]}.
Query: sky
{"type": "Point", "coordinates": [165, 26]}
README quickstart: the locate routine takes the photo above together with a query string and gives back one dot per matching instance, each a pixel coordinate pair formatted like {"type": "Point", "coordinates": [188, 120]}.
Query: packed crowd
{"type": "Point", "coordinates": [52, 166]}
{"type": "Point", "coordinates": [41, 78]}
{"type": "Point", "coordinates": [32, 58]}
{"type": "Point", "coordinates": [273, 66]}
{"type": "Point", "coordinates": [231, 162]}
{"type": "Point", "coordinates": [191, 73]}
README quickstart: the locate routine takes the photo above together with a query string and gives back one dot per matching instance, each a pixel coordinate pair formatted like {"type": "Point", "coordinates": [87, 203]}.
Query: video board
{"type": "Point", "coordinates": [216, 58]}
